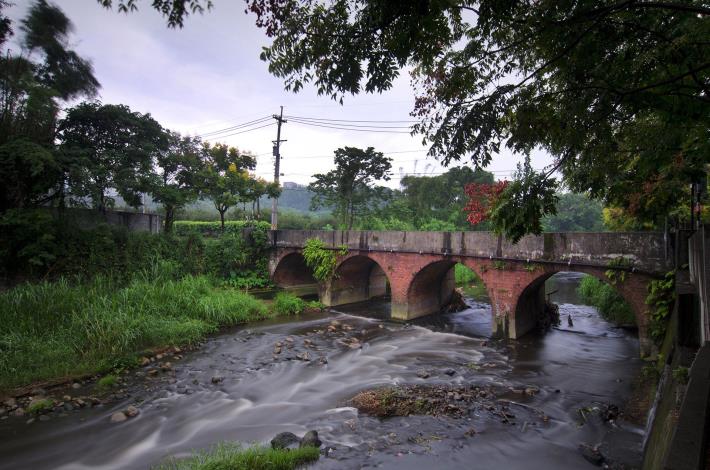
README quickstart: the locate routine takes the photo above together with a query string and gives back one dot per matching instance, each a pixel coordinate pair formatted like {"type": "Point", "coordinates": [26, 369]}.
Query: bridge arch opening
{"type": "Point", "coordinates": [357, 279]}
{"type": "Point", "coordinates": [432, 287]}
{"type": "Point", "coordinates": [573, 287]}
{"type": "Point", "coordinates": [293, 273]}
{"type": "Point", "coordinates": [470, 283]}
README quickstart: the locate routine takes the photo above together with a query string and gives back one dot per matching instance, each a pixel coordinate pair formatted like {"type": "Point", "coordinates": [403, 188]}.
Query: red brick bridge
{"type": "Point", "coordinates": [417, 269]}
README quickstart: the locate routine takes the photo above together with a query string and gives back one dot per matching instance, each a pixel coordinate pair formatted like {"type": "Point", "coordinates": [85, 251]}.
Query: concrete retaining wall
{"type": "Point", "coordinates": [699, 267]}
{"type": "Point", "coordinates": [134, 221]}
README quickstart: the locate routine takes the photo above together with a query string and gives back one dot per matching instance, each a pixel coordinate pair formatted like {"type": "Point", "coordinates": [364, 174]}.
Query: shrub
{"type": "Point", "coordinates": [107, 382]}
{"type": "Point", "coordinates": [611, 306]}
{"type": "Point", "coordinates": [288, 304]}
{"type": "Point", "coordinates": [39, 406]}
{"type": "Point", "coordinates": [213, 229]}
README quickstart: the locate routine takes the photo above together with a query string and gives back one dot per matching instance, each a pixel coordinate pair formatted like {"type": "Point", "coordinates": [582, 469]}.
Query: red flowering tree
{"type": "Point", "coordinates": [481, 198]}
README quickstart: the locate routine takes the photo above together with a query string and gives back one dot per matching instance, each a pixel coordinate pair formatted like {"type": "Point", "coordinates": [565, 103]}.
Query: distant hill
{"type": "Point", "coordinates": [294, 197]}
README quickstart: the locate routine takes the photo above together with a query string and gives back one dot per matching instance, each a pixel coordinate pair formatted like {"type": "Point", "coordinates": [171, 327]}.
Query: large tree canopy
{"type": "Point", "coordinates": [617, 91]}
{"type": "Point", "coordinates": [349, 189]}
{"type": "Point", "coordinates": [33, 85]}
{"type": "Point", "coordinates": [225, 179]}
{"type": "Point", "coordinates": [109, 147]}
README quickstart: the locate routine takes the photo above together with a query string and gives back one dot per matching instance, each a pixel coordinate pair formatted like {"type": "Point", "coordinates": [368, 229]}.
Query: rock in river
{"type": "Point", "coordinates": [118, 417]}
{"type": "Point", "coordinates": [285, 440]}
{"type": "Point", "coordinates": [310, 439]}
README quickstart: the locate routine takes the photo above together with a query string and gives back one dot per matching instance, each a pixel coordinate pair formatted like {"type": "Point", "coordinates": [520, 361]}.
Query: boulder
{"type": "Point", "coordinates": [422, 374]}
{"type": "Point", "coordinates": [285, 440]}
{"type": "Point", "coordinates": [592, 455]}
{"type": "Point", "coordinates": [118, 417]}
{"type": "Point", "coordinates": [310, 439]}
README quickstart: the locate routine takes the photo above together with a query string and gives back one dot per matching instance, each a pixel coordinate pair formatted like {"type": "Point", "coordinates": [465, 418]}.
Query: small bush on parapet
{"type": "Point", "coordinates": [618, 273]}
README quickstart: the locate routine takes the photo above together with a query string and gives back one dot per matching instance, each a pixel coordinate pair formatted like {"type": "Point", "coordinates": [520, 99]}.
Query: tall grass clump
{"type": "Point", "coordinates": [288, 304]}
{"type": "Point", "coordinates": [66, 329]}
{"type": "Point", "coordinates": [611, 306]}
{"type": "Point", "coordinates": [227, 456]}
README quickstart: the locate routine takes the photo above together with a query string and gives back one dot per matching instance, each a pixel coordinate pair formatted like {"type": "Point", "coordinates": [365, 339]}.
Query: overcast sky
{"type": "Point", "coordinates": [208, 76]}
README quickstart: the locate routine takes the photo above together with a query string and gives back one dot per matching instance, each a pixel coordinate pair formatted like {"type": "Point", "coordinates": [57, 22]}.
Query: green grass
{"type": "Point", "coordinates": [107, 382]}
{"type": "Point", "coordinates": [611, 306]}
{"type": "Point", "coordinates": [228, 456]}
{"type": "Point", "coordinates": [39, 406]}
{"type": "Point", "coordinates": [288, 304]}
{"type": "Point", "coordinates": [60, 329]}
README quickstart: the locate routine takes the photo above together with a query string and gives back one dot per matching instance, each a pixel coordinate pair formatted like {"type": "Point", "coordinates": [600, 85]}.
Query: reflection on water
{"type": "Point", "coordinates": [261, 396]}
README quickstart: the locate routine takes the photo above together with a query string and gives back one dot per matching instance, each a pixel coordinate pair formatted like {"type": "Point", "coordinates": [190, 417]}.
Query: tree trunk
{"type": "Point", "coordinates": [350, 216]}
{"type": "Point", "coordinates": [169, 218]}
{"type": "Point", "coordinates": [221, 217]}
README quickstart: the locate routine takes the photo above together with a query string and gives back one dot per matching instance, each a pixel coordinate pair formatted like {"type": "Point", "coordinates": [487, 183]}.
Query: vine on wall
{"type": "Point", "coordinates": [661, 294]}
{"type": "Point", "coordinates": [322, 260]}
{"type": "Point", "coordinates": [614, 275]}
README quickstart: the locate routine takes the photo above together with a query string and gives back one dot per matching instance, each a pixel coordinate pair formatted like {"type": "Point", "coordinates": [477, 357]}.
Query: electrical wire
{"type": "Point", "coordinates": [348, 129]}
{"type": "Point", "coordinates": [235, 127]}
{"type": "Point", "coordinates": [306, 118]}
{"type": "Point", "coordinates": [241, 132]}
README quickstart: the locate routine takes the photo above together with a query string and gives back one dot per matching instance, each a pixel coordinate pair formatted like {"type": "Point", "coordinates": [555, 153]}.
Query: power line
{"type": "Point", "coordinates": [241, 132]}
{"type": "Point", "coordinates": [305, 118]}
{"type": "Point", "coordinates": [348, 129]}
{"type": "Point", "coordinates": [235, 127]}
{"type": "Point", "coordinates": [331, 155]}
{"type": "Point", "coordinates": [348, 126]}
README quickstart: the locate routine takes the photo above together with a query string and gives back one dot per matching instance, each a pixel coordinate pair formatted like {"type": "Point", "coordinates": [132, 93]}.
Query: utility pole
{"type": "Point", "coordinates": [277, 163]}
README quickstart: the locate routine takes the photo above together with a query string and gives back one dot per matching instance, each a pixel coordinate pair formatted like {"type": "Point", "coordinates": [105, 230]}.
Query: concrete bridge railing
{"type": "Point", "coordinates": [645, 250]}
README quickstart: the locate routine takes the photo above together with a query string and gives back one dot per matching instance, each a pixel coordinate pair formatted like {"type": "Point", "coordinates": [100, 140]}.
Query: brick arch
{"type": "Point", "coordinates": [531, 297]}
{"type": "Point", "coordinates": [430, 288]}
{"type": "Point", "coordinates": [290, 270]}
{"type": "Point", "coordinates": [358, 277]}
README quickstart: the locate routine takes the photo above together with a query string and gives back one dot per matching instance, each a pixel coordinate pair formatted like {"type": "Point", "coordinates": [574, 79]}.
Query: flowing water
{"type": "Point", "coordinates": [574, 367]}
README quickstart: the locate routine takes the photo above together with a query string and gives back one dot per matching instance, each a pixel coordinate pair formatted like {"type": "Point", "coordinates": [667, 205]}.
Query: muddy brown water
{"type": "Point", "coordinates": [260, 396]}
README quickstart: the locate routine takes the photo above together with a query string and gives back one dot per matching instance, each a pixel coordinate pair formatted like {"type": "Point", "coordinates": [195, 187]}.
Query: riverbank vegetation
{"type": "Point", "coordinates": [227, 456]}
{"type": "Point", "coordinates": [64, 329]}
{"type": "Point", "coordinates": [611, 306]}
{"type": "Point", "coordinates": [471, 285]}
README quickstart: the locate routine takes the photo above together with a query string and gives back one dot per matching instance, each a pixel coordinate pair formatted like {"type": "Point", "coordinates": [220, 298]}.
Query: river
{"type": "Point", "coordinates": [256, 394]}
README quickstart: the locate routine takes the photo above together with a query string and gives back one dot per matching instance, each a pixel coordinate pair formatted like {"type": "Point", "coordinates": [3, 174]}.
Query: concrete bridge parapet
{"type": "Point", "coordinates": [645, 250]}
